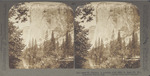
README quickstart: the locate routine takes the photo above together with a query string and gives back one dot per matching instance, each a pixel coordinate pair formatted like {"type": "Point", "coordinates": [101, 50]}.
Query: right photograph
{"type": "Point", "coordinates": [107, 35]}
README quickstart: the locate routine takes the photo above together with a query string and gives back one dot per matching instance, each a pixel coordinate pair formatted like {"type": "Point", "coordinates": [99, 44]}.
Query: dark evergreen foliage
{"type": "Point", "coordinates": [81, 45]}
{"type": "Point", "coordinates": [15, 45]}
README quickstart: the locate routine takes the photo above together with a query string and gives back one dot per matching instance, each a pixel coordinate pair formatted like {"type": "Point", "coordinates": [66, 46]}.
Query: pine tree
{"type": "Point", "coordinates": [99, 44]}
{"type": "Point", "coordinates": [99, 50]}
{"type": "Point", "coordinates": [63, 45]}
{"type": "Point", "coordinates": [15, 41]}
{"type": "Point", "coordinates": [36, 45]}
{"type": "Point", "coordinates": [102, 45]}
{"type": "Point", "coordinates": [102, 48]}
{"type": "Point", "coordinates": [95, 52]}
{"type": "Point", "coordinates": [130, 47]}
{"type": "Point", "coordinates": [68, 45]}
{"type": "Point", "coordinates": [28, 52]}
{"type": "Point", "coordinates": [35, 50]}
{"type": "Point", "coordinates": [15, 45]}
{"type": "Point", "coordinates": [112, 44]}
{"type": "Point", "coordinates": [124, 47]}
{"type": "Point", "coordinates": [32, 43]}
{"type": "Point", "coordinates": [46, 45]}
{"type": "Point", "coordinates": [81, 45]}
{"type": "Point", "coordinates": [52, 42]}
{"type": "Point", "coordinates": [133, 43]}
{"type": "Point", "coordinates": [119, 41]}
{"type": "Point", "coordinates": [57, 45]}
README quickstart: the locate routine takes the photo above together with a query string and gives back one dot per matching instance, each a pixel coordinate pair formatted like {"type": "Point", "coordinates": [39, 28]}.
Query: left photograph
{"type": "Point", "coordinates": [41, 35]}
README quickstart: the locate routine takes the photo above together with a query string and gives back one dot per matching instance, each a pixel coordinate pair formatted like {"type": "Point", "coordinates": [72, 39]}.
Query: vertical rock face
{"type": "Point", "coordinates": [47, 16]}
{"type": "Point", "coordinates": [115, 16]}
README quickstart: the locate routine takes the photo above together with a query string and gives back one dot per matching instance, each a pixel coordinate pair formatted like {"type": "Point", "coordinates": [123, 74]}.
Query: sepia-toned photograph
{"type": "Point", "coordinates": [41, 35]}
{"type": "Point", "coordinates": [107, 35]}
{"type": "Point", "coordinates": [95, 35]}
